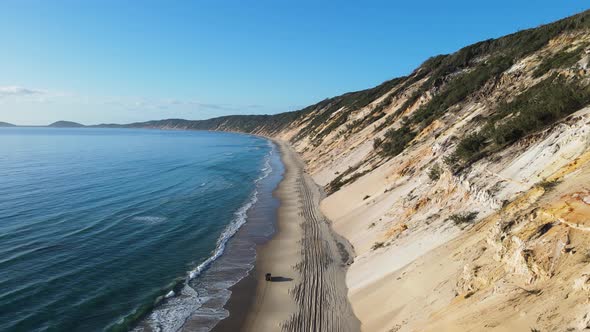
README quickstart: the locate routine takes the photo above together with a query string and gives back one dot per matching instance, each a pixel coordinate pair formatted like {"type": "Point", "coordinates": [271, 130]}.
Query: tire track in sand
{"type": "Point", "coordinates": [321, 294]}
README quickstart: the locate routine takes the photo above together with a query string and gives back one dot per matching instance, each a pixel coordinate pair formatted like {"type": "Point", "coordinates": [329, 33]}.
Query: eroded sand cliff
{"type": "Point", "coordinates": [501, 244]}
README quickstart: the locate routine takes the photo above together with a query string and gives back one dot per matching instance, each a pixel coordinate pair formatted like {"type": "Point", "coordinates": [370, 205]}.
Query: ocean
{"type": "Point", "coordinates": [129, 230]}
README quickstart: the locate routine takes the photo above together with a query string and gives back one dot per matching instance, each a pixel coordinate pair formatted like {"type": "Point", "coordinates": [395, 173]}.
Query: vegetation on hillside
{"type": "Point", "coordinates": [463, 218]}
{"type": "Point", "coordinates": [434, 172]}
{"type": "Point", "coordinates": [535, 109]}
{"type": "Point", "coordinates": [455, 77]}
{"type": "Point", "coordinates": [242, 123]}
{"type": "Point", "coordinates": [560, 60]}
{"type": "Point", "coordinates": [323, 117]}
{"type": "Point", "coordinates": [395, 140]}
{"type": "Point", "coordinates": [344, 178]}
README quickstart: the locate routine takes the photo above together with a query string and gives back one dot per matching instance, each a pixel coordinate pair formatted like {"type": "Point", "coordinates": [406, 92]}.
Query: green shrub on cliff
{"type": "Point", "coordinates": [453, 78]}
{"type": "Point", "coordinates": [395, 141]}
{"type": "Point", "coordinates": [560, 60]}
{"type": "Point", "coordinates": [471, 146]}
{"type": "Point", "coordinates": [463, 218]}
{"type": "Point", "coordinates": [435, 172]}
{"type": "Point", "coordinates": [535, 109]}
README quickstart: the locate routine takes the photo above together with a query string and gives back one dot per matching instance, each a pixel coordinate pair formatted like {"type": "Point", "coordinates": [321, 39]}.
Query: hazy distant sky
{"type": "Point", "coordinates": [124, 61]}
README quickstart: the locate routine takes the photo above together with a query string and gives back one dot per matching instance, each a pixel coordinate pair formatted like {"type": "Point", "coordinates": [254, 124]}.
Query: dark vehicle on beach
{"type": "Point", "coordinates": [268, 277]}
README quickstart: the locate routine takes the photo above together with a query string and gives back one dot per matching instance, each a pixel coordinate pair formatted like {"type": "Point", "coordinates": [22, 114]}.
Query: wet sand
{"type": "Point", "coordinates": [242, 298]}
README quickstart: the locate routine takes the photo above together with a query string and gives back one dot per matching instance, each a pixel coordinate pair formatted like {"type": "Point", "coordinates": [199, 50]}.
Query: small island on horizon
{"type": "Point", "coordinates": [66, 124]}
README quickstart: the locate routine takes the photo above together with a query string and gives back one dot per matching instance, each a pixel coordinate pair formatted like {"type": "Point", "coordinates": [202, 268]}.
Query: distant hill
{"type": "Point", "coordinates": [267, 124]}
{"type": "Point", "coordinates": [66, 124]}
{"type": "Point", "coordinates": [6, 124]}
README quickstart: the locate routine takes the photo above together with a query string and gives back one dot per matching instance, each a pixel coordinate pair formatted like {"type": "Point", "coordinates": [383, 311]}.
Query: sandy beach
{"type": "Point", "coordinates": [307, 261]}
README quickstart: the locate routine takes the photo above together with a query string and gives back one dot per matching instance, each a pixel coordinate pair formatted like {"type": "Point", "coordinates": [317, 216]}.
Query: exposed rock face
{"type": "Point", "coordinates": [515, 263]}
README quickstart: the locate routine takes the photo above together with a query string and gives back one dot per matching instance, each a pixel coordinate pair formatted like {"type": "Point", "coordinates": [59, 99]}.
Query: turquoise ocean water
{"type": "Point", "coordinates": [115, 229]}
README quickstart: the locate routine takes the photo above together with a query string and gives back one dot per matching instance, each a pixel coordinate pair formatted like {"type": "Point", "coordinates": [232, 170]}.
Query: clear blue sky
{"type": "Point", "coordinates": [124, 61]}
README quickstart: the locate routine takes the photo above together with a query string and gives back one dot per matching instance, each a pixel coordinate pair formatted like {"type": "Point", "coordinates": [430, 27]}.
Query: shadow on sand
{"type": "Point", "coordinates": [280, 279]}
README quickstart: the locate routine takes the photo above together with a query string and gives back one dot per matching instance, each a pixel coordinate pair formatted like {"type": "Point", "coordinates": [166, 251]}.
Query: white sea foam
{"type": "Point", "coordinates": [171, 315]}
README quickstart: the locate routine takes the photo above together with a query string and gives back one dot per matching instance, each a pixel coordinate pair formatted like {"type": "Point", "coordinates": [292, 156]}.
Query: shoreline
{"type": "Point", "coordinates": [307, 259]}
{"type": "Point", "coordinates": [232, 259]}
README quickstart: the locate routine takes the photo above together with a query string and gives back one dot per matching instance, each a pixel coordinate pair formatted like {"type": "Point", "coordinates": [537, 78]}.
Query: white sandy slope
{"type": "Point", "coordinates": [409, 215]}
{"type": "Point", "coordinates": [414, 268]}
